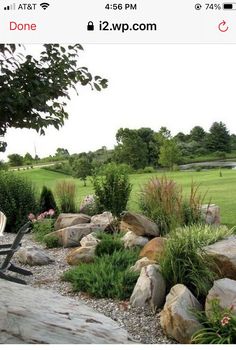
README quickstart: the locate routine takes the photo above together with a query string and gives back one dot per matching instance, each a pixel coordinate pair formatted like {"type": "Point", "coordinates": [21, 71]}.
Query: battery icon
{"type": "Point", "coordinates": [229, 6]}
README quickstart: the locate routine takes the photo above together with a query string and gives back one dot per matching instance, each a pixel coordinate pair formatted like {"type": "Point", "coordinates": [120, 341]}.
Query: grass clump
{"type": "Point", "coordinates": [162, 200]}
{"type": "Point", "coordinates": [109, 276]}
{"type": "Point", "coordinates": [51, 241]}
{"type": "Point", "coordinates": [41, 228]}
{"type": "Point", "coordinates": [185, 260]}
{"type": "Point", "coordinates": [66, 193]}
{"type": "Point", "coordinates": [219, 326]}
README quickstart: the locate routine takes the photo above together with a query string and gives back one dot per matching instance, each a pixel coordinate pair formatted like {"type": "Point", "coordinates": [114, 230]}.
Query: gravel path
{"type": "Point", "coordinates": [141, 324]}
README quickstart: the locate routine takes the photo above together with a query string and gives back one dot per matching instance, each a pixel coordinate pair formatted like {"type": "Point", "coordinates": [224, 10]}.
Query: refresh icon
{"type": "Point", "coordinates": [223, 27]}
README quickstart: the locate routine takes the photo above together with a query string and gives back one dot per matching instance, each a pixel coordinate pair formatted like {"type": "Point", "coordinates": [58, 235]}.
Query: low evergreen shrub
{"type": "Point", "coordinates": [41, 228]}
{"type": "Point", "coordinates": [17, 199]}
{"type": "Point", "coordinates": [51, 241]}
{"type": "Point", "coordinates": [109, 244]}
{"type": "Point", "coordinates": [108, 277]}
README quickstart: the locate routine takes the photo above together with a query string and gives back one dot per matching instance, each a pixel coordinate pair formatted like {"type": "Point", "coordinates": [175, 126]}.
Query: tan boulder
{"type": "Point", "coordinates": [33, 256]}
{"type": "Point", "coordinates": [177, 319]}
{"type": "Point", "coordinates": [223, 290]}
{"type": "Point", "coordinates": [103, 221]}
{"type": "Point", "coordinates": [150, 288]}
{"type": "Point", "coordinates": [66, 220]}
{"type": "Point", "coordinates": [154, 248]}
{"type": "Point", "coordinates": [211, 214]}
{"type": "Point", "coordinates": [224, 254]}
{"type": "Point", "coordinates": [130, 240]}
{"type": "Point", "coordinates": [71, 236]}
{"type": "Point", "coordinates": [81, 255]}
{"type": "Point", "coordinates": [138, 224]}
{"type": "Point", "coordinates": [90, 240]}
{"type": "Point", "coordinates": [137, 267]}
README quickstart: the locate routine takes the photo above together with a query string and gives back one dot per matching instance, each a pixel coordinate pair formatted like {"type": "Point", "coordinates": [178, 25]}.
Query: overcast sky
{"type": "Point", "coordinates": [177, 86]}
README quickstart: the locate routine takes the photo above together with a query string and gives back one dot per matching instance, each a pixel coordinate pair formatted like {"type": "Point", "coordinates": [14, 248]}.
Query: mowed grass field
{"type": "Point", "coordinates": [220, 190]}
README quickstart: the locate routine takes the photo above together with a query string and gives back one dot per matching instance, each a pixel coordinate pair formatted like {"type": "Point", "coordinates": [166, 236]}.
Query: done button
{"type": "Point", "coordinates": [22, 26]}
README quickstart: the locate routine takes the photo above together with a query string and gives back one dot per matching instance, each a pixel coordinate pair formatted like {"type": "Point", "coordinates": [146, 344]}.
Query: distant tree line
{"type": "Point", "coordinates": [141, 148]}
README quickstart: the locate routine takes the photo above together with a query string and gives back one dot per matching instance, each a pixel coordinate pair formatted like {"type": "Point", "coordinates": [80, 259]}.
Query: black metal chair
{"type": "Point", "coordinates": [6, 264]}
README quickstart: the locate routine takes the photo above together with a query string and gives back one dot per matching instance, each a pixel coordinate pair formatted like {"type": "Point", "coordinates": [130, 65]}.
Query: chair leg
{"type": "Point", "coordinates": [17, 269]}
{"type": "Point", "coordinates": [11, 278]}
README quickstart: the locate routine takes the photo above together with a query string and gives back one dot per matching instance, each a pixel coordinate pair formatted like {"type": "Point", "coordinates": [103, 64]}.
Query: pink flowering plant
{"type": "Point", "coordinates": [42, 224]}
{"type": "Point", "coordinates": [219, 327]}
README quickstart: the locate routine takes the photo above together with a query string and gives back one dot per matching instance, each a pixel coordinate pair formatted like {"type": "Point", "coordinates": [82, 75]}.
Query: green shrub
{"type": "Point", "coordinates": [186, 262]}
{"type": "Point", "coordinates": [113, 189]}
{"type": "Point", "coordinates": [17, 199]}
{"type": "Point", "coordinates": [109, 244]}
{"type": "Point", "coordinates": [66, 193]}
{"type": "Point", "coordinates": [219, 326]}
{"type": "Point", "coordinates": [108, 277]}
{"type": "Point", "coordinates": [51, 241]}
{"type": "Point", "coordinates": [42, 228]}
{"type": "Point", "coordinates": [148, 170]}
{"type": "Point", "coordinates": [47, 200]}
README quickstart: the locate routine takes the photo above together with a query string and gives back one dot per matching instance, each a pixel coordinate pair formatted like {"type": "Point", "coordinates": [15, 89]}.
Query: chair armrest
{"type": "Point", "coordinates": [5, 252]}
{"type": "Point", "coordinates": [5, 246]}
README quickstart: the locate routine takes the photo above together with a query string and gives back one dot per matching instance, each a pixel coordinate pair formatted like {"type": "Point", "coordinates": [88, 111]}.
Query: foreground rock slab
{"type": "Point", "coordinates": [138, 224]}
{"type": "Point", "coordinates": [149, 289]}
{"type": "Point", "coordinates": [223, 290]}
{"type": "Point", "coordinates": [66, 220]}
{"type": "Point", "coordinates": [33, 256]}
{"type": "Point", "coordinates": [224, 254]}
{"type": "Point", "coordinates": [36, 316]}
{"type": "Point", "coordinates": [177, 320]}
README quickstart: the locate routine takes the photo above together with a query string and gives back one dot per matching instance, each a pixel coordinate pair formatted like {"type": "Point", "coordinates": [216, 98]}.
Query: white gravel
{"type": "Point", "coordinates": [141, 324]}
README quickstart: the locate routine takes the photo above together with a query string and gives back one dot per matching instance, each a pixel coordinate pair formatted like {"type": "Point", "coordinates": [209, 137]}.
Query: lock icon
{"type": "Point", "coordinates": [90, 26]}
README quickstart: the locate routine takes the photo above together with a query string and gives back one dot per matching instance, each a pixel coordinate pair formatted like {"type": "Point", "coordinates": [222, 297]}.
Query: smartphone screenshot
{"type": "Point", "coordinates": [117, 172]}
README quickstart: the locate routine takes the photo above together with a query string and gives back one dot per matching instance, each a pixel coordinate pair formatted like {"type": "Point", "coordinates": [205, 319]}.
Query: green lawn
{"type": "Point", "coordinates": [221, 190]}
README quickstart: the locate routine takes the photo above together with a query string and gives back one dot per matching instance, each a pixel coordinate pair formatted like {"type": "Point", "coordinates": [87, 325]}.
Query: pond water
{"type": "Point", "coordinates": [209, 165]}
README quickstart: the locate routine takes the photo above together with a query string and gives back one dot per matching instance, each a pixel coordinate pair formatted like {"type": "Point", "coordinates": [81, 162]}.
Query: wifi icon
{"type": "Point", "coordinates": [44, 5]}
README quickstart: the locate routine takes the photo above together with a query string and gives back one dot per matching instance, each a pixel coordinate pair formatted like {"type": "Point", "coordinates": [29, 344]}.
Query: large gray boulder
{"type": "Point", "coordinates": [103, 221]}
{"type": "Point", "coordinates": [33, 256]}
{"type": "Point", "coordinates": [211, 214]}
{"type": "Point", "coordinates": [224, 290]}
{"type": "Point", "coordinates": [36, 316]}
{"type": "Point", "coordinates": [224, 254]}
{"type": "Point", "coordinates": [138, 224]}
{"type": "Point", "coordinates": [71, 236]}
{"type": "Point", "coordinates": [66, 220]}
{"type": "Point", "coordinates": [149, 289]}
{"type": "Point", "coordinates": [177, 318]}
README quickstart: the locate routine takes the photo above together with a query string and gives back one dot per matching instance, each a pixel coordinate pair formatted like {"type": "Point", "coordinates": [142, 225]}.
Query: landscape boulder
{"type": "Point", "coordinates": [103, 221]}
{"type": "Point", "coordinates": [71, 236]}
{"type": "Point", "coordinates": [138, 224]}
{"type": "Point", "coordinates": [88, 204]}
{"type": "Point", "coordinates": [137, 267]}
{"type": "Point", "coordinates": [223, 290]}
{"type": "Point", "coordinates": [90, 240]}
{"type": "Point", "coordinates": [177, 319]}
{"type": "Point", "coordinates": [154, 248]}
{"type": "Point", "coordinates": [211, 214]}
{"type": "Point", "coordinates": [38, 316]}
{"type": "Point", "coordinates": [33, 256]}
{"type": "Point", "coordinates": [130, 240]}
{"type": "Point", "coordinates": [81, 255]}
{"type": "Point", "coordinates": [224, 254]}
{"type": "Point", "coordinates": [150, 288]}
{"type": "Point", "coordinates": [67, 220]}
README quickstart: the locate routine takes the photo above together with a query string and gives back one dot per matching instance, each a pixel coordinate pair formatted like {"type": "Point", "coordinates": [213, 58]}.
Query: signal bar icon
{"type": "Point", "coordinates": [10, 7]}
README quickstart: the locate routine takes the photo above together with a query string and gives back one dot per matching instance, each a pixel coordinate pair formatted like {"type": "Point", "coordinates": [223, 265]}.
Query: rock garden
{"type": "Point", "coordinates": [170, 268]}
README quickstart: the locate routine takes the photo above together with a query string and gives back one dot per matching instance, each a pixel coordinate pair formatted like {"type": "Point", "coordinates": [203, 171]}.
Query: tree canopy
{"type": "Point", "coordinates": [34, 90]}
